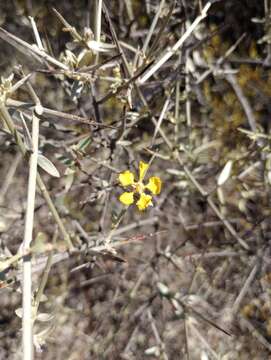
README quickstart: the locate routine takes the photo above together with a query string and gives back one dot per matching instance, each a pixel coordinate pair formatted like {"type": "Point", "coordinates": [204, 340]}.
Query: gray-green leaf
{"type": "Point", "coordinates": [47, 166]}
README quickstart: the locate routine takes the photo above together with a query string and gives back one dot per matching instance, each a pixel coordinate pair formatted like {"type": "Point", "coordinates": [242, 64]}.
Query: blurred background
{"type": "Point", "coordinates": [189, 277]}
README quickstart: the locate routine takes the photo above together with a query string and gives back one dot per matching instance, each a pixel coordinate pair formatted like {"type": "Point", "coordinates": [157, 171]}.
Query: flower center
{"type": "Point", "coordinates": [139, 187]}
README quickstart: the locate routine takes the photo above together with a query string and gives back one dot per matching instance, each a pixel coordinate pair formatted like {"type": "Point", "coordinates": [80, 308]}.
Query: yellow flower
{"type": "Point", "coordinates": [127, 178]}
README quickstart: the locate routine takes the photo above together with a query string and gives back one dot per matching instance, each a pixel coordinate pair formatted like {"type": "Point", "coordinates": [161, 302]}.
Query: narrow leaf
{"type": "Point", "coordinates": [45, 317]}
{"type": "Point", "coordinates": [47, 166]}
{"type": "Point", "coordinates": [83, 143]}
{"type": "Point", "coordinates": [19, 312]}
{"type": "Point", "coordinates": [225, 173]}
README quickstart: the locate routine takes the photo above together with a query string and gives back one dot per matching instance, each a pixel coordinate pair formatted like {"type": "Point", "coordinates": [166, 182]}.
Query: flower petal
{"type": "Point", "coordinates": [126, 178]}
{"type": "Point", "coordinates": [127, 198]}
{"type": "Point", "coordinates": [143, 167]}
{"type": "Point", "coordinates": [144, 201]}
{"type": "Point", "coordinates": [154, 185]}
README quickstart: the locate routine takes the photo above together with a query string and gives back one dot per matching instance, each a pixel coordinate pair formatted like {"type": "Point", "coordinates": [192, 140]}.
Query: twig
{"type": "Point", "coordinates": [208, 224]}
{"type": "Point", "coordinates": [170, 145]}
{"type": "Point", "coordinates": [151, 221]}
{"type": "Point", "coordinates": [45, 276]}
{"type": "Point", "coordinates": [175, 48]}
{"type": "Point", "coordinates": [157, 335]}
{"type": "Point", "coordinates": [243, 100]}
{"type": "Point", "coordinates": [123, 86]}
{"type": "Point", "coordinates": [129, 8]}
{"type": "Point", "coordinates": [98, 23]}
{"type": "Point", "coordinates": [254, 332]}
{"type": "Point", "coordinates": [36, 33]}
{"type": "Point", "coordinates": [220, 61]}
{"type": "Point", "coordinates": [245, 287]}
{"type": "Point", "coordinates": [177, 110]}
{"type": "Point", "coordinates": [161, 117]}
{"type": "Point", "coordinates": [29, 224]}
{"type": "Point", "coordinates": [187, 91]}
{"type": "Point", "coordinates": [10, 174]}
{"type": "Point", "coordinates": [54, 212]}
{"type": "Point", "coordinates": [5, 117]}
{"type": "Point", "coordinates": [162, 29]}
{"type": "Point", "coordinates": [153, 25]}
{"type": "Point", "coordinates": [202, 339]}
{"type": "Point", "coordinates": [33, 51]}
{"type": "Point", "coordinates": [74, 33]}
{"type": "Point", "coordinates": [129, 74]}
{"type": "Point", "coordinates": [20, 83]}
{"type": "Point", "coordinates": [186, 335]}
{"type": "Point", "coordinates": [27, 107]}
{"type": "Point", "coordinates": [212, 205]}
{"type": "Point", "coordinates": [116, 225]}
{"type": "Point", "coordinates": [131, 339]}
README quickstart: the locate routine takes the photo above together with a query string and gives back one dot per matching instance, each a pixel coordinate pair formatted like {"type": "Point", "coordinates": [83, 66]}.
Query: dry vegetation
{"type": "Point", "coordinates": [182, 85]}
